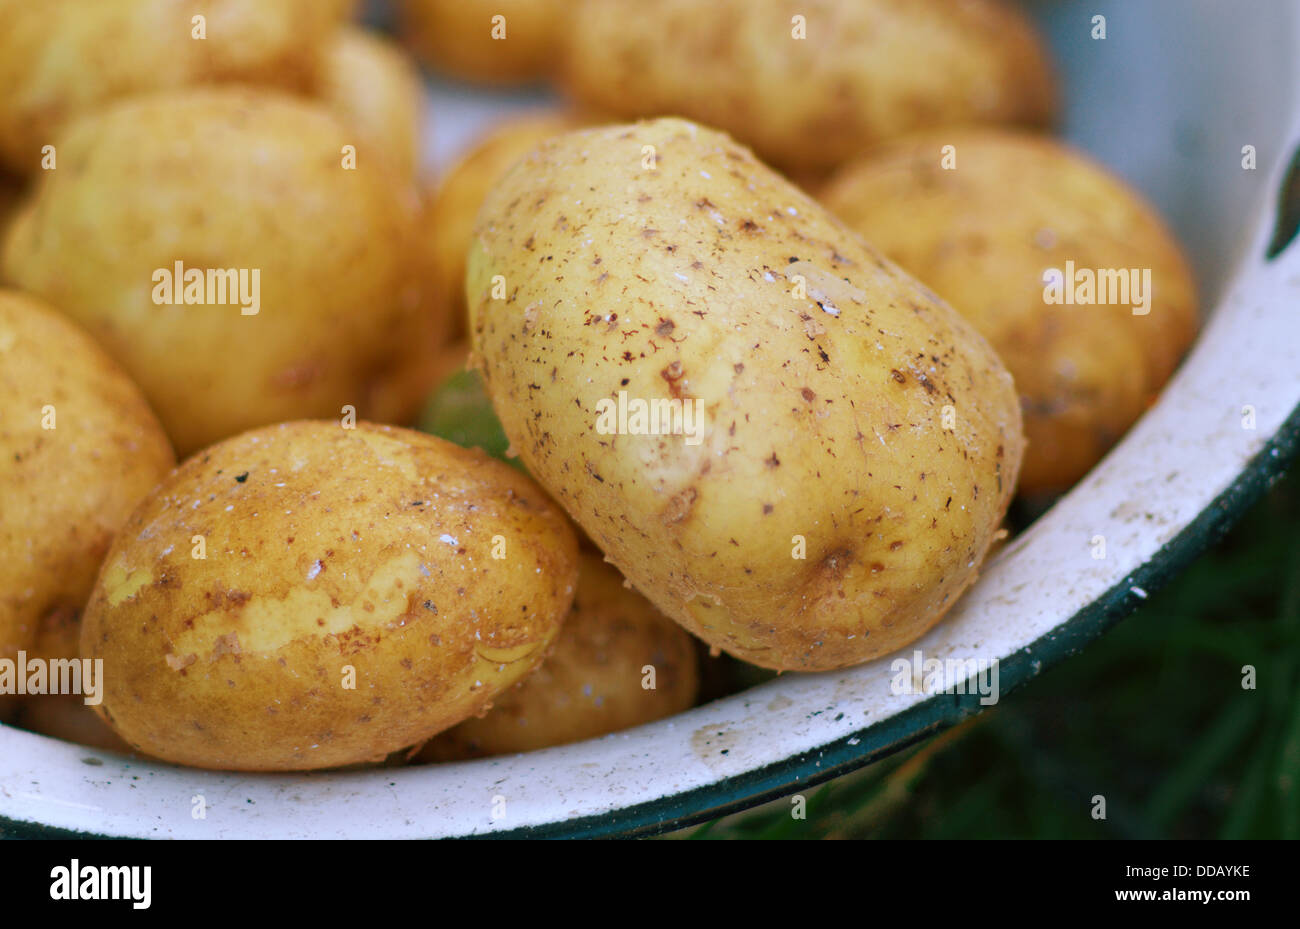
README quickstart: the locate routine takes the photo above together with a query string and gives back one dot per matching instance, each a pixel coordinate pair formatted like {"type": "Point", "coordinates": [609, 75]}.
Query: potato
{"type": "Point", "coordinates": [79, 449]}
{"type": "Point", "coordinates": [594, 681]}
{"type": "Point", "coordinates": [64, 716]}
{"type": "Point", "coordinates": [489, 41]}
{"type": "Point", "coordinates": [447, 225]}
{"type": "Point", "coordinates": [452, 358]}
{"type": "Point", "coordinates": [867, 70]}
{"type": "Point", "coordinates": [11, 195]}
{"type": "Point", "coordinates": [341, 10]}
{"type": "Point", "coordinates": [350, 601]}
{"type": "Point", "coordinates": [68, 719]}
{"type": "Point", "coordinates": [240, 188]}
{"type": "Point", "coordinates": [375, 89]}
{"type": "Point", "coordinates": [984, 234]}
{"type": "Point", "coordinates": [852, 442]}
{"type": "Point", "coordinates": [63, 58]}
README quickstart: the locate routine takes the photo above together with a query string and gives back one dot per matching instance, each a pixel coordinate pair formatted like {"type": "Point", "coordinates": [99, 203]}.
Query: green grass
{"type": "Point", "coordinates": [1153, 716]}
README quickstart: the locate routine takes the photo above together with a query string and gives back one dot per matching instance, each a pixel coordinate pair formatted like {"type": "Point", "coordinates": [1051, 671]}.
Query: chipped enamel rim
{"type": "Point", "coordinates": [1177, 481]}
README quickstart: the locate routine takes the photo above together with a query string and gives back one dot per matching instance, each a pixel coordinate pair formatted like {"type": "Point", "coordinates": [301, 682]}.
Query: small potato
{"type": "Point", "coordinates": [296, 293]}
{"type": "Point", "coordinates": [60, 59]}
{"type": "Point", "coordinates": [489, 41]}
{"type": "Point", "coordinates": [68, 719]}
{"type": "Point", "coordinates": [308, 596]}
{"type": "Point", "coordinates": [984, 233]}
{"type": "Point", "coordinates": [447, 226]}
{"type": "Point", "coordinates": [375, 89]}
{"type": "Point", "coordinates": [843, 445]}
{"type": "Point", "coordinates": [593, 683]}
{"type": "Point", "coordinates": [64, 716]}
{"type": "Point", "coordinates": [79, 448]}
{"type": "Point", "coordinates": [11, 195]}
{"type": "Point", "coordinates": [810, 83]}
{"type": "Point", "coordinates": [341, 10]}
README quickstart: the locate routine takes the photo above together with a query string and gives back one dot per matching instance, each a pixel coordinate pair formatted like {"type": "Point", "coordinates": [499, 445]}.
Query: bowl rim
{"type": "Point", "coordinates": [914, 724]}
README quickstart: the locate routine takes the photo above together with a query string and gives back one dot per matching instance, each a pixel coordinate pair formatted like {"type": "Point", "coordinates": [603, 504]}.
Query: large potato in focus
{"type": "Point", "coordinates": [866, 71]}
{"type": "Point", "coordinates": [247, 182]}
{"type": "Point", "coordinates": [65, 490]}
{"type": "Point", "coordinates": [595, 680]}
{"type": "Point", "coordinates": [984, 234]}
{"type": "Point", "coordinates": [374, 88]}
{"type": "Point", "coordinates": [63, 58]}
{"type": "Point", "coordinates": [349, 603]}
{"type": "Point", "coordinates": [854, 442]}
{"type": "Point", "coordinates": [489, 41]}
{"type": "Point", "coordinates": [447, 225]}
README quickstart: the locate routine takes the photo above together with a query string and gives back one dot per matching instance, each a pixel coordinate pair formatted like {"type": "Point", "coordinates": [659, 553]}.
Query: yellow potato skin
{"type": "Point", "coordinates": [455, 37]}
{"type": "Point", "coordinates": [447, 225]}
{"type": "Point", "coordinates": [825, 411]}
{"type": "Point", "coordinates": [592, 682]}
{"type": "Point", "coordinates": [65, 491]}
{"type": "Point", "coordinates": [240, 179]}
{"type": "Point", "coordinates": [868, 70]}
{"type": "Point", "coordinates": [68, 719]}
{"type": "Point", "coordinates": [64, 716]}
{"type": "Point", "coordinates": [376, 554]}
{"type": "Point", "coordinates": [63, 58]}
{"type": "Point", "coordinates": [11, 196]}
{"type": "Point", "coordinates": [374, 88]}
{"type": "Point", "coordinates": [982, 236]}
{"type": "Point", "coordinates": [341, 10]}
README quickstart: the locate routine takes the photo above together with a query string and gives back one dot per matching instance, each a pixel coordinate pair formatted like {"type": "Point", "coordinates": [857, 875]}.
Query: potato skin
{"type": "Point", "coordinates": [374, 88]}
{"type": "Point", "coordinates": [63, 58]}
{"type": "Point", "coordinates": [68, 719]}
{"type": "Point", "coordinates": [592, 682]}
{"type": "Point", "coordinates": [64, 716]}
{"type": "Point", "coordinates": [455, 37]}
{"type": "Point", "coordinates": [239, 179]}
{"type": "Point", "coordinates": [11, 196]}
{"type": "Point", "coordinates": [982, 236]}
{"type": "Point", "coordinates": [824, 412]}
{"type": "Point", "coordinates": [867, 71]}
{"type": "Point", "coordinates": [376, 553]}
{"type": "Point", "coordinates": [66, 491]}
{"type": "Point", "coordinates": [447, 225]}
{"type": "Point", "coordinates": [341, 11]}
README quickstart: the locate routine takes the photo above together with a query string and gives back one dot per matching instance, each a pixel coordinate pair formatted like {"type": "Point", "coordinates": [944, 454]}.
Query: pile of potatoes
{"type": "Point", "coordinates": [735, 360]}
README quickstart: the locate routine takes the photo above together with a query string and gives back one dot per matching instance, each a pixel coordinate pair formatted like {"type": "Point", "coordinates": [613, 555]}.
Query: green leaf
{"type": "Point", "coordinates": [1227, 732]}
{"type": "Point", "coordinates": [460, 411]}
